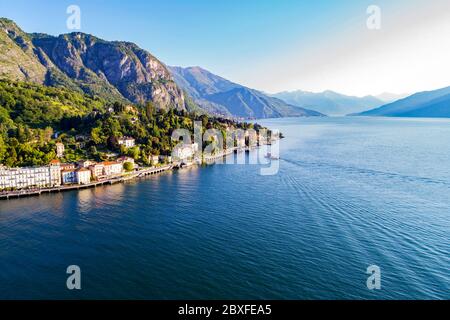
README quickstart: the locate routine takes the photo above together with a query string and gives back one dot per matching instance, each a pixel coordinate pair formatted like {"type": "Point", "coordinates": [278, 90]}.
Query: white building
{"type": "Point", "coordinates": [60, 150]}
{"type": "Point", "coordinates": [86, 163]}
{"type": "Point", "coordinates": [185, 151]}
{"type": "Point", "coordinates": [154, 160]}
{"type": "Point", "coordinates": [76, 176]}
{"type": "Point", "coordinates": [112, 167]}
{"type": "Point", "coordinates": [127, 142]}
{"type": "Point", "coordinates": [30, 177]}
{"type": "Point", "coordinates": [97, 170]}
{"type": "Point", "coordinates": [125, 159]}
{"type": "Point", "coordinates": [83, 176]}
{"type": "Point", "coordinates": [55, 173]}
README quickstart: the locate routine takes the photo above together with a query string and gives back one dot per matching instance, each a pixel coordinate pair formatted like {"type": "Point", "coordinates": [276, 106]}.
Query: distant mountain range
{"type": "Point", "coordinates": [388, 97]}
{"type": "Point", "coordinates": [221, 96]}
{"type": "Point", "coordinates": [434, 104]}
{"type": "Point", "coordinates": [329, 102]}
{"type": "Point", "coordinates": [121, 71]}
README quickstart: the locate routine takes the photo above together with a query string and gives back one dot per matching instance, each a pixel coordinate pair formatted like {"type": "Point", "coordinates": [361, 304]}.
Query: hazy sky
{"type": "Point", "coordinates": [273, 45]}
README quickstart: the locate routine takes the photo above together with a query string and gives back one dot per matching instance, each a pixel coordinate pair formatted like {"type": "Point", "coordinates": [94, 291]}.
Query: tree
{"type": "Point", "coordinates": [128, 166]}
{"type": "Point", "coordinates": [149, 110]}
{"type": "Point", "coordinates": [133, 153]}
{"type": "Point", "coordinates": [30, 114]}
{"type": "Point", "coordinates": [96, 135]}
{"type": "Point", "coordinates": [2, 149]}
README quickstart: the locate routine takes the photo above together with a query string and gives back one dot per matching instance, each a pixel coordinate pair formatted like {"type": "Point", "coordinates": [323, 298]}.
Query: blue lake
{"type": "Point", "coordinates": [349, 193]}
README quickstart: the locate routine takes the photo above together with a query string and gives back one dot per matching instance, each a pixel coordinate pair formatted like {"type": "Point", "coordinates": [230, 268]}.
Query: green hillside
{"type": "Point", "coordinates": [34, 117]}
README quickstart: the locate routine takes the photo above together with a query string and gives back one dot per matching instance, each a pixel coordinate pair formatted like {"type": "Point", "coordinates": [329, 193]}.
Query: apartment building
{"type": "Point", "coordinates": [128, 142]}
{"type": "Point", "coordinates": [30, 177]}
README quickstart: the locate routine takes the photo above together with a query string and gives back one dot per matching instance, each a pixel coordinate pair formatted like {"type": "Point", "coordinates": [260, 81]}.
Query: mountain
{"type": "Point", "coordinates": [18, 58]}
{"type": "Point", "coordinates": [110, 69]}
{"type": "Point", "coordinates": [221, 96]}
{"type": "Point", "coordinates": [329, 102]}
{"type": "Point", "coordinates": [435, 104]}
{"type": "Point", "coordinates": [388, 97]}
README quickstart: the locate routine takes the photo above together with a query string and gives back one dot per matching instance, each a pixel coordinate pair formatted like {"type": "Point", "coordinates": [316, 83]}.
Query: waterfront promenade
{"type": "Point", "coordinates": [110, 181]}
{"type": "Point", "coordinates": [116, 179]}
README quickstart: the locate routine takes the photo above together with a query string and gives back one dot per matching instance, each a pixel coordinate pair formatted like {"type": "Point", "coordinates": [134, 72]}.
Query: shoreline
{"type": "Point", "coordinates": [120, 179]}
{"type": "Point", "coordinates": [110, 181]}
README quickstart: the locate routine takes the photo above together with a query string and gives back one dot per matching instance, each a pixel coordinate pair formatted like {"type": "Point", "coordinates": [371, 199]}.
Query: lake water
{"type": "Point", "coordinates": [350, 193]}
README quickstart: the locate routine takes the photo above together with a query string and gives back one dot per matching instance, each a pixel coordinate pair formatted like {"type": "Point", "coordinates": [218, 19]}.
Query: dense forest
{"type": "Point", "coordinates": [33, 118]}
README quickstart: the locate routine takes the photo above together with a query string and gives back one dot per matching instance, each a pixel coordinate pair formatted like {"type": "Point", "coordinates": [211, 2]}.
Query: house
{"type": "Point", "coordinates": [185, 151]}
{"type": "Point", "coordinates": [55, 173]}
{"type": "Point", "coordinates": [83, 176]}
{"type": "Point", "coordinates": [111, 155]}
{"type": "Point", "coordinates": [112, 167]}
{"type": "Point", "coordinates": [69, 176]}
{"type": "Point", "coordinates": [85, 163]}
{"type": "Point", "coordinates": [97, 170]}
{"type": "Point", "coordinates": [55, 162]}
{"type": "Point", "coordinates": [81, 137]}
{"type": "Point", "coordinates": [127, 142]}
{"type": "Point", "coordinates": [67, 166]}
{"type": "Point", "coordinates": [154, 160]}
{"type": "Point", "coordinates": [60, 150]}
{"type": "Point", "coordinates": [124, 159]}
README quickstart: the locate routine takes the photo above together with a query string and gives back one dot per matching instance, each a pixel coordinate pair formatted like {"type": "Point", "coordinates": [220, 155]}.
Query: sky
{"type": "Point", "coordinates": [273, 45]}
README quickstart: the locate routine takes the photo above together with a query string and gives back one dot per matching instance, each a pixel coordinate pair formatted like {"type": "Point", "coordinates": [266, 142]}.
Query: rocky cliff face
{"type": "Point", "coordinates": [115, 70]}
{"type": "Point", "coordinates": [18, 59]}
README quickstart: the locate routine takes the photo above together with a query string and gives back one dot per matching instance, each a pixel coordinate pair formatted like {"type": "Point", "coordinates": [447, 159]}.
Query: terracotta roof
{"type": "Point", "coordinates": [110, 163]}
{"type": "Point", "coordinates": [82, 169]}
{"type": "Point", "coordinates": [55, 161]}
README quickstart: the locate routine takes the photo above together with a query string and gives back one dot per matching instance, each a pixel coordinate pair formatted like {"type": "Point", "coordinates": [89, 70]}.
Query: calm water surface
{"type": "Point", "coordinates": [350, 192]}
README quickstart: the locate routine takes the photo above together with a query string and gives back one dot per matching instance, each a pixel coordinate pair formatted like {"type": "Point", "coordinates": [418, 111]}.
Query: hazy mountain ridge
{"type": "Point", "coordinates": [434, 103]}
{"type": "Point", "coordinates": [111, 69]}
{"type": "Point", "coordinates": [389, 97]}
{"type": "Point", "coordinates": [329, 102]}
{"type": "Point", "coordinates": [225, 97]}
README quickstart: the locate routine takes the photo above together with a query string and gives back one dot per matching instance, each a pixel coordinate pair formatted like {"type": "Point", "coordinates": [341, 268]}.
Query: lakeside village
{"type": "Point", "coordinates": [62, 176]}
{"type": "Point", "coordinates": [57, 176]}
{"type": "Point", "coordinates": [54, 139]}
